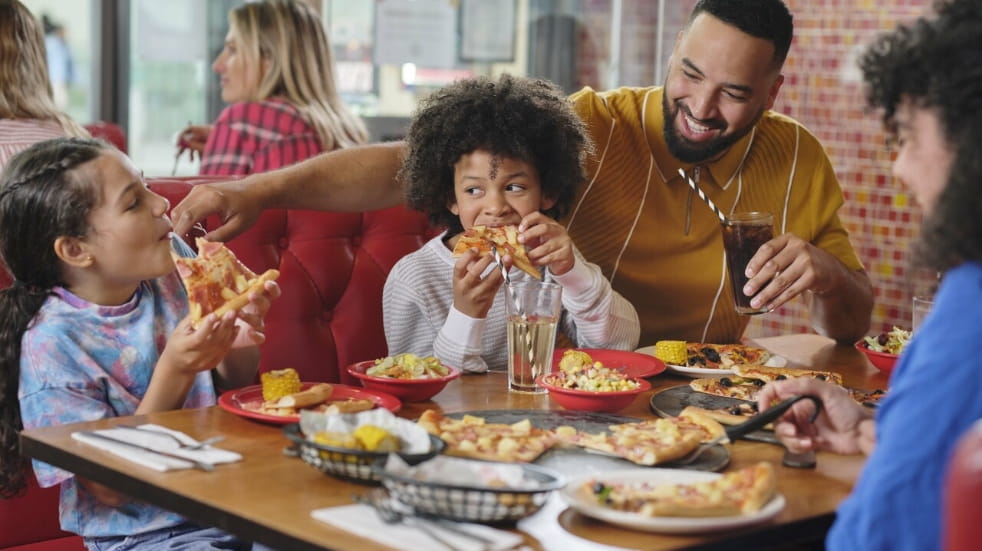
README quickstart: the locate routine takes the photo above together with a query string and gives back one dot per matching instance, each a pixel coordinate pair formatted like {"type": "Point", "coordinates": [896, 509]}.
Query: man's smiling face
{"type": "Point", "coordinates": [720, 82]}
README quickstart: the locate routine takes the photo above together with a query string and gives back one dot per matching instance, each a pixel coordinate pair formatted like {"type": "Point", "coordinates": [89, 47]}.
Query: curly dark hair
{"type": "Point", "coordinates": [936, 63]}
{"type": "Point", "coordinates": [525, 119]}
{"type": "Point", "coordinates": [42, 197]}
{"type": "Point", "coordinates": [767, 19]}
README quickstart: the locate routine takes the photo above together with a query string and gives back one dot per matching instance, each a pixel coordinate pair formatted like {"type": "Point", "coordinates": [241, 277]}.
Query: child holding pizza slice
{"type": "Point", "coordinates": [492, 154]}
{"type": "Point", "coordinates": [96, 325]}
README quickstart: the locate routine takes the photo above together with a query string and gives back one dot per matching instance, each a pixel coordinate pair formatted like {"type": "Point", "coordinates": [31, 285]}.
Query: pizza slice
{"type": "Point", "coordinates": [724, 356]}
{"type": "Point", "coordinates": [504, 238]}
{"type": "Point", "coordinates": [648, 442]}
{"type": "Point", "coordinates": [769, 374]}
{"type": "Point", "coordinates": [741, 388]}
{"type": "Point", "coordinates": [216, 281]}
{"type": "Point", "coordinates": [475, 438]}
{"type": "Point", "coordinates": [731, 415]}
{"type": "Point", "coordinates": [868, 398]}
{"type": "Point", "coordinates": [734, 493]}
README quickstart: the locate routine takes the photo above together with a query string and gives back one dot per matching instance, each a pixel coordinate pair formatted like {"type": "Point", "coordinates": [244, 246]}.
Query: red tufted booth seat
{"type": "Point", "coordinates": [332, 269]}
{"type": "Point", "coordinates": [963, 493]}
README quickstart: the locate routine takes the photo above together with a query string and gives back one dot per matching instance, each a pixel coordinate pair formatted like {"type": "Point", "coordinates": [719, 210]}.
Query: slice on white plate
{"type": "Point", "coordinates": [588, 505]}
{"type": "Point", "coordinates": [705, 372]}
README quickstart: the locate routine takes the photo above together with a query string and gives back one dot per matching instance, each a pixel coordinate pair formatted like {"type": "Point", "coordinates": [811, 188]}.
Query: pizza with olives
{"type": "Point", "coordinates": [724, 356]}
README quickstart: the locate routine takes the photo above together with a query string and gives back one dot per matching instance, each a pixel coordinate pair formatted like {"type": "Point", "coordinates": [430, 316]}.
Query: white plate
{"type": "Point", "coordinates": [703, 372]}
{"type": "Point", "coordinates": [668, 525]}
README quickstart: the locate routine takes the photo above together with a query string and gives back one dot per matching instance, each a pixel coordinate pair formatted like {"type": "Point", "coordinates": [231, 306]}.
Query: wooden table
{"type": "Point", "coordinates": [268, 497]}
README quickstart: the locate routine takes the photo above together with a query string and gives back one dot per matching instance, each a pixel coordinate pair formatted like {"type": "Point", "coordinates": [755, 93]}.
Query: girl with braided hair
{"type": "Point", "coordinates": [96, 325]}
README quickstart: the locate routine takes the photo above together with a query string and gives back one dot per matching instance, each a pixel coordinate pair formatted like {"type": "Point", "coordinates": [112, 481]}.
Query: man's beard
{"type": "Point", "coordinates": [694, 153]}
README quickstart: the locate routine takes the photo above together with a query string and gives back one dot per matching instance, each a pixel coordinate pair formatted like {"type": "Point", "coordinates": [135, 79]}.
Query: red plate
{"type": "Point", "coordinates": [238, 401]}
{"type": "Point", "coordinates": [633, 364]}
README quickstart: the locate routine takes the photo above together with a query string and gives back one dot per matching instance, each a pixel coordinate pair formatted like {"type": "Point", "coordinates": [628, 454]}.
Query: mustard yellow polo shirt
{"type": "Point", "coordinates": [659, 244]}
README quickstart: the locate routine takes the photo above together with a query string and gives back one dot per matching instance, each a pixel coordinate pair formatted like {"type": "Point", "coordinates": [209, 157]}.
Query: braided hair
{"type": "Point", "coordinates": [42, 197]}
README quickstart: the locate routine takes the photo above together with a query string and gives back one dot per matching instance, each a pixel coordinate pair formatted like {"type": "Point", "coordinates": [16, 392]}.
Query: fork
{"type": "Point", "coordinates": [750, 425]}
{"type": "Point", "coordinates": [382, 503]}
{"type": "Point", "coordinates": [508, 290]}
{"type": "Point", "coordinates": [180, 444]}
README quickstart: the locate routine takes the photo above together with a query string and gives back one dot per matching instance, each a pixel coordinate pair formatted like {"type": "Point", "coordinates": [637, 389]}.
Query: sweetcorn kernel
{"type": "Point", "coordinates": [671, 352]}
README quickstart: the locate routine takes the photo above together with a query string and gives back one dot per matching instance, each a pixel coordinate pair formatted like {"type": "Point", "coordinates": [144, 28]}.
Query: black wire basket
{"type": "Point", "coordinates": [350, 464]}
{"type": "Point", "coordinates": [473, 504]}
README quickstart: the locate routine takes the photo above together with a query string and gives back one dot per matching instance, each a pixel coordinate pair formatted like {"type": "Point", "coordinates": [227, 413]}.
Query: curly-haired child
{"type": "Point", "coordinates": [495, 152]}
{"type": "Point", "coordinates": [96, 325]}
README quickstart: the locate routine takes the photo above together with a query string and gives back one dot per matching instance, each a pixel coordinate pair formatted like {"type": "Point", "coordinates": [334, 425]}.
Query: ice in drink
{"type": "Point", "coordinates": [530, 347]}
{"type": "Point", "coordinates": [742, 236]}
{"type": "Point", "coordinates": [533, 310]}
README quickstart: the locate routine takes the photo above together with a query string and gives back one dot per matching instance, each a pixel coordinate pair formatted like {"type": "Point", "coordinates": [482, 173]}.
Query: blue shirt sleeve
{"type": "Point", "coordinates": [932, 400]}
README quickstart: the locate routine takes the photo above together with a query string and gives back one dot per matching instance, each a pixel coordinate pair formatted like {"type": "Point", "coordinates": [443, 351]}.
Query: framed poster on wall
{"type": "Point", "coordinates": [487, 30]}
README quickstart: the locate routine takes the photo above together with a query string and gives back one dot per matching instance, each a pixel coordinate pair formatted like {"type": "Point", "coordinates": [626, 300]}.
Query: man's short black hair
{"type": "Point", "coordinates": [767, 19]}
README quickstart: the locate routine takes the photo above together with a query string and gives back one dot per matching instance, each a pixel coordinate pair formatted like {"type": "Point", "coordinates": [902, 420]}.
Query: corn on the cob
{"type": "Point", "coordinates": [279, 383]}
{"type": "Point", "coordinates": [671, 352]}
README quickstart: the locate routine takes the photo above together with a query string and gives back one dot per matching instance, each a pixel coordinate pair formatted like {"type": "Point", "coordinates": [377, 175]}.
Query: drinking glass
{"type": "Point", "coordinates": [922, 305]}
{"type": "Point", "coordinates": [533, 311]}
{"type": "Point", "coordinates": [744, 233]}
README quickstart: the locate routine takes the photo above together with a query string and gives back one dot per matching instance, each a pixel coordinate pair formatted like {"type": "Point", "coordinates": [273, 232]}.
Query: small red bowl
{"type": "Point", "coordinates": [586, 400]}
{"type": "Point", "coordinates": [883, 361]}
{"type": "Point", "coordinates": [408, 390]}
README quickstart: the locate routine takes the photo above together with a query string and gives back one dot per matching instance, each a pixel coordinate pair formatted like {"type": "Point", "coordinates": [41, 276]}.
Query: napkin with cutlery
{"type": "Point", "coordinates": [362, 520]}
{"type": "Point", "coordinates": [156, 447]}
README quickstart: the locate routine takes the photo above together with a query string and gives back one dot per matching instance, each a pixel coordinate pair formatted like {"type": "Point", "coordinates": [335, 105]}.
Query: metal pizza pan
{"type": "Point", "coordinates": [572, 461]}
{"type": "Point", "coordinates": [671, 401]}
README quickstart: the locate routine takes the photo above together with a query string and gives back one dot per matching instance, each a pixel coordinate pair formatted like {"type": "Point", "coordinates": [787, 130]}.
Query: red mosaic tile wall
{"type": "Point", "coordinates": [823, 90]}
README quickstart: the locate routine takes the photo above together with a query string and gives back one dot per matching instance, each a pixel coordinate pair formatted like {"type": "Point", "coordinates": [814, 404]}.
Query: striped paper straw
{"type": "Point", "coordinates": [704, 197]}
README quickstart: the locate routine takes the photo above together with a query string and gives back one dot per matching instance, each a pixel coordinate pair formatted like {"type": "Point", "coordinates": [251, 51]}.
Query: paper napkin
{"type": "Point", "coordinates": [161, 442]}
{"type": "Point", "coordinates": [361, 519]}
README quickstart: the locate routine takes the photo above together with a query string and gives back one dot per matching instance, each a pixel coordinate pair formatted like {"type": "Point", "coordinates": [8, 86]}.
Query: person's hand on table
{"type": "Point", "coordinates": [786, 266]}
{"type": "Point", "coordinates": [843, 426]}
{"type": "Point", "coordinates": [231, 200]}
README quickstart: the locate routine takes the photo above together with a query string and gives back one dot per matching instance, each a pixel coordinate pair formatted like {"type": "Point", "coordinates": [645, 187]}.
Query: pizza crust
{"type": "Point", "coordinates": [216, 281]}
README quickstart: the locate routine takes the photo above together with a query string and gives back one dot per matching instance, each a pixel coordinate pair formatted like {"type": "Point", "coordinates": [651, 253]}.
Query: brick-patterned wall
{"type": "Point", "coordinates": [823, 90]}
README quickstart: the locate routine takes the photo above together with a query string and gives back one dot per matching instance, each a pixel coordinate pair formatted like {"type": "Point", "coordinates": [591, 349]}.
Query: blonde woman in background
{"type": "Point", "coordinates": [27, 109]}
{"type": "Point", "coordinates": [277, 75]}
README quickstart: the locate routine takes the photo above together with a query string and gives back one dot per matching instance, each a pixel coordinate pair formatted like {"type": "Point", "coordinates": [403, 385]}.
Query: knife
{"type": "Point", "coordinates": [197, 464]}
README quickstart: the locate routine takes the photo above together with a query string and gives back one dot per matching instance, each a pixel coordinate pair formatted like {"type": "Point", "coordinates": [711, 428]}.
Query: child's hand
{"type": "Point", "coordinates": [191, 350]}
{"type": "Point", "coordinates": [251, 317]}
{"type": "Point", "coordinates": [547, 243]}
{"type": "Point", "coordinates": [472, 294]}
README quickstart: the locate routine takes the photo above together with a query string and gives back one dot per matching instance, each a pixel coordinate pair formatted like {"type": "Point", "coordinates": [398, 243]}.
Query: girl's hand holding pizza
{"type": "Point", "coordinates": [473, 295]}
{"type": "Point", "coordinates": [199, 347]}
{"type": "Point", "coordinates": [251, 317]}
{"type": "Point", "coordinates": [547, 242]}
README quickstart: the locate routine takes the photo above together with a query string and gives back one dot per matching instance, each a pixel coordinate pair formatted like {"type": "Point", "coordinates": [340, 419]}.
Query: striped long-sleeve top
{"type": "Point", "coordinates": [17, 134]}
{"type": "Point", "coordinates": [420, 318]}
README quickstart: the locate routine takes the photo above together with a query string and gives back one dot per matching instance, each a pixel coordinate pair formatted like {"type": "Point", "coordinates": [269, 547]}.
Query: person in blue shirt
{"type": "Point", "coordinates": [925, 78]}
